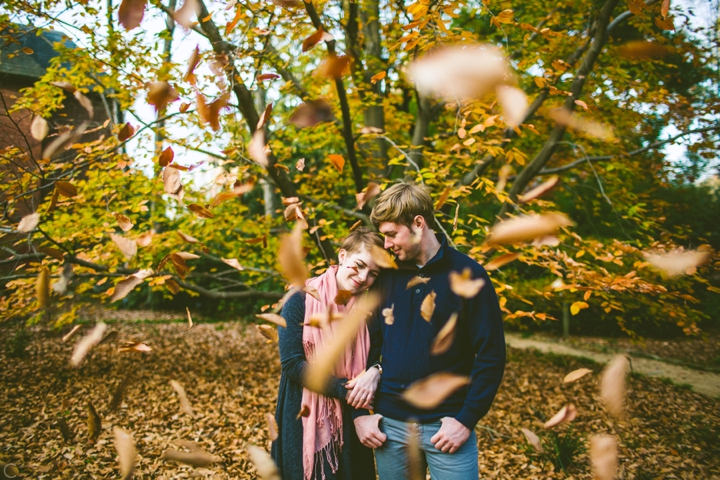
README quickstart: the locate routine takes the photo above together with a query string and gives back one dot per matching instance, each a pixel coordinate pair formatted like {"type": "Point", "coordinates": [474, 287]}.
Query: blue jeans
{"type": "Point", "coordinates": [391, 457]}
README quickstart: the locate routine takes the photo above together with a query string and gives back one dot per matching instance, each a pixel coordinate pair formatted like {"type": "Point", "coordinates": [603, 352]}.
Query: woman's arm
{"type": "Point", "coordinates": [292, 354]}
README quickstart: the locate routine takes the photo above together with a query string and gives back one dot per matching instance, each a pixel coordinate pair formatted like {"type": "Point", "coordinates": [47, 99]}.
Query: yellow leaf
{"type": "Point", "coordinates": [577, 306]}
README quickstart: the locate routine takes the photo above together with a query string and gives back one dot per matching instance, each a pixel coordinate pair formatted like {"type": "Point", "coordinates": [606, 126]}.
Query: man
{"type": "Point", "coordinates": [400, 349]}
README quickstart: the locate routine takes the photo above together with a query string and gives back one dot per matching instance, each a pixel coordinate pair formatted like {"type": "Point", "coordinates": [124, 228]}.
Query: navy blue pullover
{"type": "Point", "coordinates": [478, 349]}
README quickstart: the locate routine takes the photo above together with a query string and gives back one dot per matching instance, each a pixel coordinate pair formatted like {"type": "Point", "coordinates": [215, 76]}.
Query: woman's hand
{"type": "Point", "coordinates": [362, 388]}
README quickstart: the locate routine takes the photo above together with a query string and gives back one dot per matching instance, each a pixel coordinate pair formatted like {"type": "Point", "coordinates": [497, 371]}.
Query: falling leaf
{"type": "Point", "coordinates": [64, 140]}
{"type": "Point", "coordinates": [134, 347]}
{"type": "Point", "coordinates": [665, 23]}
{"type": "Point", "coordinates": [286, 3]}
{"type": "Point", "coordinates": [370, 130]}
{"type": "Point", "coordinates": [300, 165]}
{"type": "Point", "coordinates": [316, 38]}
{"type": "Point", "coordinates": [86, 343]}
{"type": "Point", "coordinates": [272, 426]}
{"type": "Point", "coordinates": [577, 306]}
{"type": "Point", "coordinates": [636, 7]}
{"type": "Point", "coordinates": [42, 287]}
{"type": "Point", "coordinates": [94, 423]}
{"type": "Point", "coordinates": [604, 456]}
{"type": "Point", "coordinates": [171, 181]}
{"type": "Point", "coordinates": [576, 375]}
{"type": "Point", "coordinates": [28, 223]}
{"type": "Point", "coordinates": [445, 336]}
{"type": "Point", "coordinates": [612, 385]}
{"type": "Point", "coordinates": [71, 333]}
{"type": "Point", "coordinates": [126, 132]}
{"type": "Point", "coordinates": [233, 262]}
{"type": "Point", "coordinates": [371, 191]}
{"type": "Point", "coordinates": [665, 8]}
{"type": "Point", "coordinates": [333, 66]}
{"type": "Point", "coordinates": [185, 14]}
{"type": "Point", "coordinates": [417, 281]}
{"type": "Point", "coordinates": [124, 222]}
{"type": "Point", "coordinates": [428, 306]}
{"type": "Point", "coordinates": [267, 76]}
{"type": "Point", "coordinates": [540, 190]}
{"type": "Point", "coordinates": [60, 286]}
{"type": "Point", "coordinates": [126, 285]}
{"type": "Point", "coordinates": [256, 148]}
{"type": "Point", "coordinates": [533, 440]}
{"type": "Point", "coordinates": [210, 112]}
{"type": "Point", "coordinates": [39, 128]}
{"type": "Point", "coordinates": [291, 257]}
{"type": "Point", "coordinates": [643, 50]}
{"type": "Point", "coordinates": [68, 87]}
{"type": "Point", "coordinates": [268, 332]}
{"type": "Point", "coordinates": [85, 103]}
{"type": "Point", "coordinates": [274, 318]}
{"type": "Point", "coordinates": [463, 285]}
{"type": "Point", "coordinates": [144, 239]}
{"type": "Point", "coordinates": [191, 65]}
{"type": "Point", "coordinates": [304, 412]}
{"type": "Point", "coordinates": [119, 393]}
{"type": "Point", "coordinates": [526, 228]}
{"type": "Point", "coordinates": [566, 414]}
{"type": "Point", "coordinates": [514, 104]}
{"type": "Point", "coordinates": [388, 314]}
{"type": "Point", "coordinates": [415, 460]}
{"type": "Point", "coordinates": [125, 448]}
{"type": "Point", "coordinates": [319, 371]}
{"type": "Point", "coordinates": [382, 257]}
{"type": "Point", "coordinates": [184, 402]}
{"type": "Point", "coordinates": [377, 77]}
{"type": "Point", "coordinates": [131, 13]}
{"type": "Point", "coordinates": [127, 246]}
{"type": "Point", "coordinates": [264, 464]}
{"type": "Point", "coordinates": [342, 297]}
{"type": "Point", "coordinates": [165, 158]}
{"type": "Point", "coordinates": [265, 117]}
{"type": "Point", "coordinates": [197, 458]}
{"type": "Point", "coordinates": [431, 391]}
{"type": "Point", "coordinates": [589, 127]}
{"type": "Point", "coordinates": [338, 161]}
{"type": "Point", "coordinates": [66, 189]}
{"type": "Point", "coordinates": [460, 72]}
{"type": "Point", "coordinates": [677, 262]}
{"type": "Point", "coordinates": [502, 177]}
{"type": "Point", "coordinates": [172, 285]}
{"type": "Point", "coordinates": [160, 94]}
{"type": "Point", "coordinates": [200, 211]}
{"type": "Point", "coordinates": [498, 262]}
{"type": "Point", "coordinates": [113, 335]}
{"type": "Point", "coordinates": [311, 113]}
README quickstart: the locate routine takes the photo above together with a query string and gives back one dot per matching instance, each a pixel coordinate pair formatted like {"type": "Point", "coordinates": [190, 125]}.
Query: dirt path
{"type": "Point", "coordinates": [703, 382]}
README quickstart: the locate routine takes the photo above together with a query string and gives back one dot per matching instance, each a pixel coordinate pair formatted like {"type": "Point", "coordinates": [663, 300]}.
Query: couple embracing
{"type": "Point", "coordinates": [362, 408]}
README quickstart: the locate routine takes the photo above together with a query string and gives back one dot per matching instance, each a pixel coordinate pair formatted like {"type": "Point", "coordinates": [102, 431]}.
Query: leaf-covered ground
{"type": "Point", "coordinates": [231, 376]}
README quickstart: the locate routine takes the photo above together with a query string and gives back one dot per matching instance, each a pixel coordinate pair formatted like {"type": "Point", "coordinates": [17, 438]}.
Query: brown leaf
{"type": "Point", "coordinates": [126, 132]}
{"type": "Point", "coordinates": [643, 50]}
{"type": "Point", "coordinates": [604, 456]}
{"type": "Point", "coordinates": [273, 318]}
{"type": "Point", "coordinates": [67, 86]}
{"type": "Point", "coordinates": [367, 130]}
{"type": "Point", "coordinates": [86, 343]}
{"type": "Point", "coordinates": [233, 262]}
{"type": "Point", "coordinates": [42, 285]}
{"type": "Point", "coordinates": [463, 285]}
{"type": "Point", "coordinates": [533, 440]}
{"type": "Point", "coordinates": [677, 262]}
{"type": "Point", "coordinates": [498, 262]}
{"type": "Point", "coordinates": [526, 228]}
{"type": "Point", "coordinates": [119, 393]}
{"type": "Point", "coordinates": [415, 461]}
{"type": "Point", "coordinates": [428, 306]}
{"type": "Point", "coordinates": [184, 15]}
{"type": "Point", "coordinates": [371, 191]}
{"type": "Point", "coordinates": [636, 7]}
{"type": "Point", "coordinates": [665, 8]}
{"type": "Point", "coordinates": [64, 140]}
{"type": "Point", "coordinates": [192, 63]}
{"type": "Point", "coordinates": [286, 3]}
{"type": "Point", "coordinates": [28, 223]}
{"type": "Point", "coordinates": [334, 66]}
{"type": "Point", "coordinates": [160, 94]}
{"type": "Point", "coordinates": [172, 285]}
{"type": "Point", "coordinates": [460, 72]}
{"type": "Point", "coordinates": [184, 402]}
{"type": "Point", "coordinates": [85, 103]}
{"type": "Point", "coordinates": [431, 391]}
{"type": "Point", "coordinates": [338, 161]}
{"type": "Point", "coordinates": [200, 211]}
{"type": "Point", "coordinates": [445, 337]}
{"type": "Point", "coordinates": [612, 385]}
{"type": "Point", "coordinates": [316, 38]}
{"type": "Point", "coordinates": [94, 423]}
{"type": "Point", "coordinates": [388, 314]}
{"type": "Point", "coordinates": [382, 257]}
{"type": "Point", "coordinates": [256, 148]}
{"type": "Point", "coordinates": [291, 257]}
{"type": "Point", "coordinates": [311, 113]}
{"type": "Point", "coordinates": [665, 23]}
{"type": "Point", "coordinates": [131, 13]}
{"type": "Point", "coordinates": [189, 317]}
{"type": "Point", "coordinates": [134, 347]}
{"type": "Point", "coordinates": [566, 414]}
{"type": "Point", "coordinates": [66, 189]}
{"type": "Point", "coordinates": [197, 458]}
{"type": "Point", "coordinates": [267, 76]}
{"type": "Point", "coordinates": [514, 104]}
{"type": "Point", "coordinates": [268, 332]}
{"type": "Point", "coordinates": [39, 128]}
{"type": "Point", "coordinates": [71, 333]}
{"type": "Point", "coordinates": [502, 177]}
{"type": "Point", "coordinates": [343, 297]}
{"type": "Point", "coordinates": [125, 448]}
{"type": "Point", "coordinates": [165, 158]}
{"type": "Point", "coordinates": [171, 181]}
{"type": "Point", "coordinates": [576, 375]}
{"type": "Point", "coordinates": [540, 190]}
{"type": "Point", "coordinates": [322, 366]}
{"type": "Point", "coordinates": [123, 221]}
{"type": "Point", "coordinates": [417, 281]}
{"type": "Point", "coordinates": [144, 239]}
{"type": "Point", "coordinates": [264, 464]}
{"type": "Point", "coordinates": [127, 246]}
{"type": "Point", "coordinates": [589, 127]}
{"type": "Point", "coordinates": [272, 426]}
{"type": "Point", "coordinates": [124, 287]}
{"type": "Point", "coordinates": [265, 117]}
{"type": "Point", "coordinates": [210, 112]}
{"type": "Point", "coordinates": [300, 164]}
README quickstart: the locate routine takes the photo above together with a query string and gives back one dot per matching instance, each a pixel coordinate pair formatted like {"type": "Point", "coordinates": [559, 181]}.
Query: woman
{"type": "Point", "coordinates": [323, 445]}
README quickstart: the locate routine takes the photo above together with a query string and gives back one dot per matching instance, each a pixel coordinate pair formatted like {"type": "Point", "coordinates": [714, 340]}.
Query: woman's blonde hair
{"type": "Point", "coordinates": [361, 237]}
{"type": "Point", "coordinates": [401, 203]}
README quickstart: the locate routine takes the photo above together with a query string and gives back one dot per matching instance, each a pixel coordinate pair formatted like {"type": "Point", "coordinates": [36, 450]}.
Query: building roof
{"type": "Point", "coordinates": [26, 51]}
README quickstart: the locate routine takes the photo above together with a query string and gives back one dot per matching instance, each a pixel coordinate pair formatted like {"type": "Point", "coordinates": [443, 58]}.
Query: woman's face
{"type": "Point", "coordinates": [357, 271]}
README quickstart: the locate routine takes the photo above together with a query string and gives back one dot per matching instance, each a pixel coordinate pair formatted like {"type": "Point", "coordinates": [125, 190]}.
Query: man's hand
{"type": "Point", "coordinates": [451, 436]}
{"type": "Point", "coordinates": [368, 430]}
{"type": "Point", "coordinates": [362, 388]}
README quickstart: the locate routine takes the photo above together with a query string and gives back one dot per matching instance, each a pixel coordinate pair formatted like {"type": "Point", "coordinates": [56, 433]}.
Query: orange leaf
{"type": "Point", "coordinates": [131, 13]}
{"type": "Point", "coordinates": [200, 211]}
{"type": "Point", "coordinates": [337, 160]}
{"type": "Point", "coordinates": [431, 391]}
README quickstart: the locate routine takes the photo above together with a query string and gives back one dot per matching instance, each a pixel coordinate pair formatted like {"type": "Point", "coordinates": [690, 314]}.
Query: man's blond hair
{"type": "Point", "coordinates": [401, 203]}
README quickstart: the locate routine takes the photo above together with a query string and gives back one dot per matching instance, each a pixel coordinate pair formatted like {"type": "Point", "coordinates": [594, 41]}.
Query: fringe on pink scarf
{"type": "Point", "coordinates": [323, 427]}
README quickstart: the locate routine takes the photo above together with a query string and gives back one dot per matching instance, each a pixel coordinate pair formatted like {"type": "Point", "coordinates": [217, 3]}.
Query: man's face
{"type": "Point", "coordinates": [402, 240]}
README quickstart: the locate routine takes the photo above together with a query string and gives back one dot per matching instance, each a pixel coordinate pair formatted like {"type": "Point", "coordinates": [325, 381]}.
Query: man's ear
{"type": "Point", "coordinates": [419, 222]}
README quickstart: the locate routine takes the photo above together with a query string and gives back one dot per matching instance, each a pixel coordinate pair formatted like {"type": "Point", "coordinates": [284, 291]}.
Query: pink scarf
{"type": "Point", "coordinates": [323, 427]}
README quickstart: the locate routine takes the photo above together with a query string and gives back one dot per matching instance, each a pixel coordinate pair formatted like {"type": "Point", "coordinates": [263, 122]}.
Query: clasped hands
{"type": "Point", "coordinates": [361, 389]}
